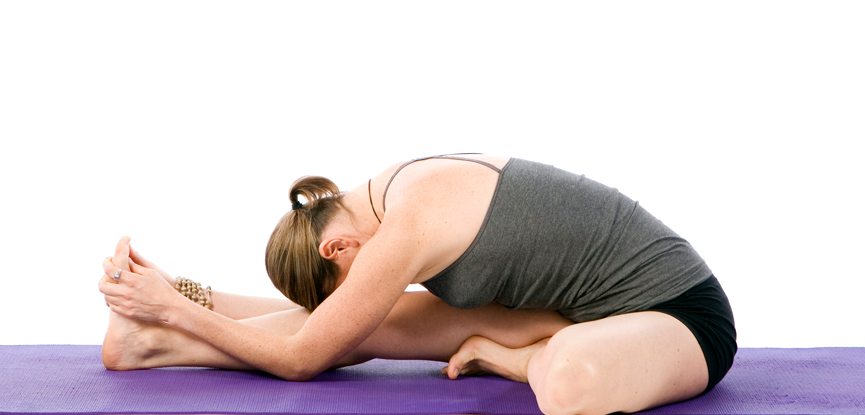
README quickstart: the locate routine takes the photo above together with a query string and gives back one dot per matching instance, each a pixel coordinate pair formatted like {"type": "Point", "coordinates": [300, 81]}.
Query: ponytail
{"type": "Point", "coordinates": [292, 260]}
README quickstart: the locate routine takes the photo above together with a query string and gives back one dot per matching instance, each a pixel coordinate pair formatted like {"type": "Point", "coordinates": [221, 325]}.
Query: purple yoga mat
{"type": "Point", "coordinates": [70, 379]}
{"type": "Point", "coordinates": [785, 381]}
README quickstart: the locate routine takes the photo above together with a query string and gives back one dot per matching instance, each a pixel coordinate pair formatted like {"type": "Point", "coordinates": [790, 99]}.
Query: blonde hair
{"type": "Point", "coordinates": [293, 262]}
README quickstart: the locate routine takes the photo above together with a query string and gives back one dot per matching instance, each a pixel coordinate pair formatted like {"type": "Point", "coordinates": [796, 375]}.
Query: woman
{"type": "Point", "coordinates": [646, 321]}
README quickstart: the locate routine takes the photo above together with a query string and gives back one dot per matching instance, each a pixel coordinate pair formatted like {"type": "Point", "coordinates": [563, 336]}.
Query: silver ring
{"type": "Point", "coordinates": [117, 274]}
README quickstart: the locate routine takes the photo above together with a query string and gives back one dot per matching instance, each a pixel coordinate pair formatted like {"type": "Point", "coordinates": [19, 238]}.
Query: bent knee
{"type": "Point", "coordinates": [609, 366]}
{"type": "Point", "coordinates": [571, 385]}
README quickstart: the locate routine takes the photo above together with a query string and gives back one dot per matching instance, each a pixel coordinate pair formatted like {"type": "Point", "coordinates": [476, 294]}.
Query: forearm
{"type": "Point", "coordinates": [239, 307]}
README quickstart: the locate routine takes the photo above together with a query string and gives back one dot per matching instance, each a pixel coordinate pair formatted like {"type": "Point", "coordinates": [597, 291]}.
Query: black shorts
{"type": "Point", "coordinates": [705, 310]}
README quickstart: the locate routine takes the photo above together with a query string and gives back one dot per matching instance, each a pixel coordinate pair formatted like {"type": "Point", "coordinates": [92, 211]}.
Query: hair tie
{"type": "Point", "coordinates": [296, 205]}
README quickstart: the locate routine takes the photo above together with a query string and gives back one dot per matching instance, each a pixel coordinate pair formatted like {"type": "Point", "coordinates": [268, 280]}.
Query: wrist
{"type": "Point", "coordinates": [195, 292]}
{"type": "Point", "coordinates": [177, 310]}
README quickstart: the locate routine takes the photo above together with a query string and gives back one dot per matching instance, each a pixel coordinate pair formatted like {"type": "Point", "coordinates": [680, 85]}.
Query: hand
{"type": "Point", "coordinates": [136, 259]}
{"type": "Point", "coordinates": [141, 292]}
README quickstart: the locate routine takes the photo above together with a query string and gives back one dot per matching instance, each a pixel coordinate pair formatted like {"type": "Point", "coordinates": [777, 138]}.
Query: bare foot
{"type": "Point", "coordinates": [479, 355]}
{"type": "Point", "coordinates": [129, 344]}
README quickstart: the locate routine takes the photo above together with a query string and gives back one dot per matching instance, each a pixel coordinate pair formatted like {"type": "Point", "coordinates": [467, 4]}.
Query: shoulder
{"type": "Point", "coordinates": [414, 175]}
{"type": "Point", "coordinates": [436, 206]}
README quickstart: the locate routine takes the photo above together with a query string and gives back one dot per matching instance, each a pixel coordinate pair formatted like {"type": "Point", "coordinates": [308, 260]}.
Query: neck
{"type": "Point", "coordinates": [359, 214]}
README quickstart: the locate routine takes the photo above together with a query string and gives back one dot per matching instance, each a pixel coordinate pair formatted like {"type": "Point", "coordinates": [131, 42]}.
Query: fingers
{"type": "Point", "coordinates": [137, 258]}
{"type": "Point", "coordinates": [138, 269]}
{"type": "Point", "coordinates": [111, 288]}
{"type": "Point", "coordinates": [99, 286]}
{"type": "Point", "coordinates": [116, 296]}
{"type": "Point", "coordinates": [116, 275]}
{"type": "Point", "coordinates": [112, 272]}
{"type": "Point", "coordinates": [121, 254]}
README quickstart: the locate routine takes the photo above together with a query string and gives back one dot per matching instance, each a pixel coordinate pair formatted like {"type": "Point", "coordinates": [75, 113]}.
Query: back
{"type": "Point", "coordinates": [555, 240]}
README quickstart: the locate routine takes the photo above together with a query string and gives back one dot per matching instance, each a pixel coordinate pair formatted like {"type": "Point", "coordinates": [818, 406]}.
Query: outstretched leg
{"type": "Point", "coordinates": [420, 326]}
{"type": "Point", "coordinates": [132, 344]}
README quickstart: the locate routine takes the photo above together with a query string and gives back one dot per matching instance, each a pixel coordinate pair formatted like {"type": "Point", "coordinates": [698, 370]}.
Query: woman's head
{"type": "Point", "coordinates": [292, 258]}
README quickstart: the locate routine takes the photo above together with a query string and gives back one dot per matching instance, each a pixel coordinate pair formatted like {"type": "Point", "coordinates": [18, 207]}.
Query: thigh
{"type": "Point", "coordinates": [623, 363]}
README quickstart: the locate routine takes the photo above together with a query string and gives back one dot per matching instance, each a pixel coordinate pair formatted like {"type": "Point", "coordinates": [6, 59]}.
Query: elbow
{"type": "Point", "coordinates": [288, 362]}
{"type": "Point", "coordinates": [293, 362]}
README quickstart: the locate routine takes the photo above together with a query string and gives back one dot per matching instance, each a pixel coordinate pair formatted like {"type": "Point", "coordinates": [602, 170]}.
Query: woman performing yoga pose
{"type": "Point", "coordinates": [533, 273]}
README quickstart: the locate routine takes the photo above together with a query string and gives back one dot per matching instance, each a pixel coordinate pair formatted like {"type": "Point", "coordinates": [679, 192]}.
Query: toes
{"type": "Point", "coordinates": [464, 360]}
{"type": "Point", "coordinates": [457, 363]}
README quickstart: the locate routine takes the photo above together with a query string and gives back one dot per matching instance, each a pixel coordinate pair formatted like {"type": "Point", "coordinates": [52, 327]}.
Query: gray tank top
{"type": "Point", "coordinates": [560, 241]}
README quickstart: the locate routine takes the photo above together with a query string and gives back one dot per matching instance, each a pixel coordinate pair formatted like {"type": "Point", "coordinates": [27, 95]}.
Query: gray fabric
{"type": "Point", "coordinates": [560, 241]}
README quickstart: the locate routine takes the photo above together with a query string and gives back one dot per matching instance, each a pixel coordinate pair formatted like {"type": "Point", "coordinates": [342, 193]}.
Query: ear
{"type": "Point", "coordinates": [332, 248]}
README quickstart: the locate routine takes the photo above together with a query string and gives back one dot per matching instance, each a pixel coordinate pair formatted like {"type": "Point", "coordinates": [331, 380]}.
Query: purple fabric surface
{"type": "Point", "coordinates": [785, 381]}
{"type": "Point", "coordinates": [70, 379]}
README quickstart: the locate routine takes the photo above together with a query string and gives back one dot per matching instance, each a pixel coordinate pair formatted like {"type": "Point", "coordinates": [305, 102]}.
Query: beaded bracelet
{"type": "Point", "coordinates": [193, 291]}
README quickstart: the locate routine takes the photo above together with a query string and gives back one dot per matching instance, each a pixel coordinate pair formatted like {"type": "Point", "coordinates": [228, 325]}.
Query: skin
{"type": "Point", "coordinates": [435, 209]}
{"type": "Point", "coordinates": [420, 326]}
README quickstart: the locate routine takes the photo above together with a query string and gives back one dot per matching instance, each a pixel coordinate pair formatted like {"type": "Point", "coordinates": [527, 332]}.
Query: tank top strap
{"type": "Point", "coordinates": [454, 156]}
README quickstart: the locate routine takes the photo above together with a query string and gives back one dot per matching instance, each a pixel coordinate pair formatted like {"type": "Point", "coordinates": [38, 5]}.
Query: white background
{"type": "Point", "coordinates": [182, 124]}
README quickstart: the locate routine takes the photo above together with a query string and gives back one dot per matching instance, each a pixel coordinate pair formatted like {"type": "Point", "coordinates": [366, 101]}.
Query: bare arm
{"type": "Point", "coordinates": [238, 307]}
{"type": "Point", "coordinates": [377, 280]}
{"type": "Point", "coordinates": [408, 243]}
{"type": "Point", "coordinates": [233, 306]}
